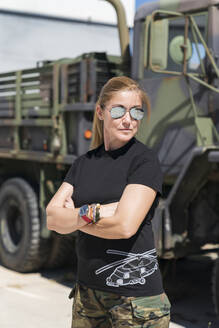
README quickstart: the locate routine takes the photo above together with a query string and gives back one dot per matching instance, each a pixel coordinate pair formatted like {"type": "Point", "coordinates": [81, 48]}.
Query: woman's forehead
{"type": "Point", "coordinates": [126, 96]}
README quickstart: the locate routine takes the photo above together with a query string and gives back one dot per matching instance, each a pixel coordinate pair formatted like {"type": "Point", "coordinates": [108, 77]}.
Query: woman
{"type": "Point", "coordinates": [115, 188]}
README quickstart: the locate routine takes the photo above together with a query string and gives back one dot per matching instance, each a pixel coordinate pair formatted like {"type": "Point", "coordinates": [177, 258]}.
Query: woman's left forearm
{"type": "Point", "coordinates": [108, 228]}
{"type": "Point", "coordinates": [128, 216]}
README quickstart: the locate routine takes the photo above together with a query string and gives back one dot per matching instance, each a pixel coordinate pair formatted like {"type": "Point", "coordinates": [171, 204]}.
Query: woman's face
{"type": "Point", "coordinates": [117, 132]}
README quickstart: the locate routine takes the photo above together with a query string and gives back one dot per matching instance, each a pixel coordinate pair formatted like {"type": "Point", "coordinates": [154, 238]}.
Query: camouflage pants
{"type": "Point", "coordinates": [93, 308]}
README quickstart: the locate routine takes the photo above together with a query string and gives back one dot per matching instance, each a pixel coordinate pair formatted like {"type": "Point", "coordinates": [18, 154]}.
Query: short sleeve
{"type": "Point", "coordinates": [71, 174]}
{"type": "Point", "coordinates": [146, 170]}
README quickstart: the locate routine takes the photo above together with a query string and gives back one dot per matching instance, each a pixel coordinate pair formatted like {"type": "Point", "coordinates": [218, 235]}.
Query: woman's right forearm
{"type": "Point", "coordinates": [63, 220]}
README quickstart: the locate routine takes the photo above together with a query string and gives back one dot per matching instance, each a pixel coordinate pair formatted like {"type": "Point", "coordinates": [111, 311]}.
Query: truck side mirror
{"type": "Point", "coordinates": [176, 49]}
{"type": "Point", "coordinates": [159, 37]}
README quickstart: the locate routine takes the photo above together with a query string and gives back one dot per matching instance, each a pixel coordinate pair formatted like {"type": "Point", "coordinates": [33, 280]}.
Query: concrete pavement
{"type": "Point", "coordinates": [30, 300]}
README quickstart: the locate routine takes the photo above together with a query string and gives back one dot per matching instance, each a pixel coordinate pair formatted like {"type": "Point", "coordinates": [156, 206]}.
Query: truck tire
{"type": "Point", "coordinates": [19, 226]}
{"type": "Point", "coordinates": [215, 285]}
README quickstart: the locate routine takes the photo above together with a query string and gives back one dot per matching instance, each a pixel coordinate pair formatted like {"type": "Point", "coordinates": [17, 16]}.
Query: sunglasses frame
{"type": "Point", "coordinates": [125, 111]}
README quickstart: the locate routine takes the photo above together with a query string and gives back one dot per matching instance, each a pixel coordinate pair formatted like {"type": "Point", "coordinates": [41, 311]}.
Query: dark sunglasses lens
{"type": "Point", "coordinates": [137, 113]}
{"type": "Point", "coordinates": [117, 112]}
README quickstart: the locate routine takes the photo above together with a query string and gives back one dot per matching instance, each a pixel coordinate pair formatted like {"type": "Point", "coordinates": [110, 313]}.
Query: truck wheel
{"type": "Point", "coordinates": [215, 285]}
{"type": "Point", "coordinates": [19, 226]}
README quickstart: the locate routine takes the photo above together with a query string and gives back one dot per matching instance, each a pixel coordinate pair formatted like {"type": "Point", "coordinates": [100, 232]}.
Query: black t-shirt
{"type": "Point", "coordinates": [125, 266]}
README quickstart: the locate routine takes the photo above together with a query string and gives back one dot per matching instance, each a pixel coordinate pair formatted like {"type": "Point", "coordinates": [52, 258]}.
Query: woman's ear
{"type": "Point", "coordinates": [99, 112]}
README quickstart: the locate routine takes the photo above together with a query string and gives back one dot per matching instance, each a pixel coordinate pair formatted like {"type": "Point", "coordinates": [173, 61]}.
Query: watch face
{"type": "Point", "coordinates": [83, 210]}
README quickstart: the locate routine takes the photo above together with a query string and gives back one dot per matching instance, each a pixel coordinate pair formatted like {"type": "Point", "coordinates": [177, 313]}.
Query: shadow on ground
{"type": "Point", "coordinates": [65, 276]}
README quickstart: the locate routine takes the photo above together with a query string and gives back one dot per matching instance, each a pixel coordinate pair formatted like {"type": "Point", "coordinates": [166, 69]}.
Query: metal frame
{"type": "Point", "coordinates": [195, 29]}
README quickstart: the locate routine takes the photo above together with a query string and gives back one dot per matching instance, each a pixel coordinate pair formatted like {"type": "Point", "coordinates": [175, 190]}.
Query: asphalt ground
{"type": "Point", "coordinates": [40, 300]}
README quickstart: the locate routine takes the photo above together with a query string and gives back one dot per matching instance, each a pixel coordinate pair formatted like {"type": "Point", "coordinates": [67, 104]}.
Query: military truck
{"type": "Point", "coordinates": [46, 117]}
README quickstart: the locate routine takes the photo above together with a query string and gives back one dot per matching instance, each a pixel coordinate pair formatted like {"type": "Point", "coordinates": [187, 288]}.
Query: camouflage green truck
{"type": "Point", "coordinates": [46, 117]}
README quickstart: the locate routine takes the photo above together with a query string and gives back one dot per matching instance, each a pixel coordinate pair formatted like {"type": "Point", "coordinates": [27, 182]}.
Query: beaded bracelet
{"type": "Point", "coordinates": [94, 214]}
{"type": "Point", "coordinates": [97, 212]}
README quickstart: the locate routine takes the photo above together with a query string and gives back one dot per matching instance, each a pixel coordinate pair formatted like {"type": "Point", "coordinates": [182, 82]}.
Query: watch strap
{"type": "Point", "coordinates": [86, 218]}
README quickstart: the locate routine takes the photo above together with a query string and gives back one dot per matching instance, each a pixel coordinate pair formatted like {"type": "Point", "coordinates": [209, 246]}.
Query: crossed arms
{"type": "Point", "coordinates": [117, 220]}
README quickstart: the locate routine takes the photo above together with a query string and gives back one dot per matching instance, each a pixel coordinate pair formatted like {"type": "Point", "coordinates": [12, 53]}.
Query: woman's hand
{"type": "Point", "coordinates": [69, 202]}
{"type": "Point", "coordinates": [64, 193]}
{"type": "Point", "coordinates": [62, 216]}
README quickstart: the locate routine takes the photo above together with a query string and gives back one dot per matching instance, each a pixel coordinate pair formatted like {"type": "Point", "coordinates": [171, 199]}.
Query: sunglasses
{"type": "Point", "coordinates": [119, 111]}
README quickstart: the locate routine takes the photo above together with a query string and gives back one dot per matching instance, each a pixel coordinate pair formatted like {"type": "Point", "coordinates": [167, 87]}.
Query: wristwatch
{"type": "Point", "coordinates": [83, 212]}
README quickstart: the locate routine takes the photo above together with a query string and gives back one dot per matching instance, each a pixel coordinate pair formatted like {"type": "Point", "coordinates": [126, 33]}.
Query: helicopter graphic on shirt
{"type": "Point", "coordinates": [131, 270]}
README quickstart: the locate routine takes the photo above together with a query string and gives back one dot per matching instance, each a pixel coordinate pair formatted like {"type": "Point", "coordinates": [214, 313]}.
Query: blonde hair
{"type": "Point", "coordinates": [112, 86]}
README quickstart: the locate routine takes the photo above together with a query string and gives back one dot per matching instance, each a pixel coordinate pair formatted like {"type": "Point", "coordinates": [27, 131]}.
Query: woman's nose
{"type": "Point", "coordinates": [127, 118]}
